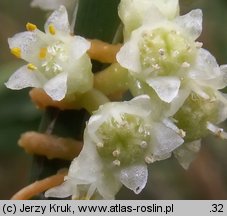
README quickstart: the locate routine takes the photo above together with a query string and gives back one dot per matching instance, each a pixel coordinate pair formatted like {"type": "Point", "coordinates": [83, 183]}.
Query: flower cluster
{"type": "Point", "coordinates": [166, 62]}
{"type": "Point", "coordinates": [174, 81]}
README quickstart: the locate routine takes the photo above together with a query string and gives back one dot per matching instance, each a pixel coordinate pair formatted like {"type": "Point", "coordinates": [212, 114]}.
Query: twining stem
{"type": "Point", "coordinates": [42, 100]}
{"type": "Point", "coordinates": [112, 80]}
{"type": "Point", "coordinates": [103, 52]}
{"type": "Point", "coordinates": [40, 186]}
{"type": "Point", "coordinates": [50, 146]}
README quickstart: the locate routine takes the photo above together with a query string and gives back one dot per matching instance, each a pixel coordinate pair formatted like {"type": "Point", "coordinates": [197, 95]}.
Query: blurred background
{"type": "Point", "coordinates": [205, 179]}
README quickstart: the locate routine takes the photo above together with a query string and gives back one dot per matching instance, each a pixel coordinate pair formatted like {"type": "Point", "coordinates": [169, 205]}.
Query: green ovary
{"type": "Point", "coordinates": [166, 51]}
{"type": "Point", "coordinates": [194, 115]}
{"type": "Point", "coordinates": [125, 140]}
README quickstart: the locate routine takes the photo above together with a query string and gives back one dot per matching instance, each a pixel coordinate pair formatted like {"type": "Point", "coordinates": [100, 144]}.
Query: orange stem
{"type": "Point", "coordinates": [103, 52]}
{"type": "Point", "coordinates": [40, 186]}
{"type": "Point", "coordinates": [42, 100]}
{"type": "Point", "coordinates": [50, 146]}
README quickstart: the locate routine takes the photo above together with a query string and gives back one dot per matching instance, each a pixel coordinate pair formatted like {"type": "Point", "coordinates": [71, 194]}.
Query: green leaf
{"type": "Point", "coordinates": [97, 19]}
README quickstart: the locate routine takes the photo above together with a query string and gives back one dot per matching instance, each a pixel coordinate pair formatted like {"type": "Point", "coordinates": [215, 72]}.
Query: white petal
{"type": "Point", "coordinates": [165, 139]}
{"type": "Point", "coordinates": [79, 46]}
{"type": "Point", "coordinates": [142, 101]}
{"type": "Point", "coordinates": [62, 191]}
{"type": "Point", "coordinates": [134, 177]}
{"type": "Point", "coordinates": [87, 166]}
{"type": "Point", "coordinates": [56, 87]}
{"type": "Point", "coordinates": [108, 185]}
{"type": "Point", "coordinates": [178, 101]}
{"type": "Point", "coordinates": [187, 152]}
{"type": "Point", "coordinates": [24, 78]}
{"type": "Point", "coordinates": [51, 4]}
{"type": "Point", "coordinates": [157, 16]}
{"type": "Point", "coordinates": [128, 56]}
{"type": "Point", "coordinates": [59, 19]}
{"type": "Point", "coordinates": [166, 87]}
{"type": "Point", "coordinates": [191, 23]}
{"type": "Point", "coordinates": [134, 13]}
{"type": "Point", "coordinates": [29, 44]}
{"type": "Point", "coordinates": [169, 123]}
{"type": "Point", "coordinates": [207, 70]}
{"type": "Point", "coordinates": [169, 8]}
{"type": "Point", "coordinates": [207, 65]}
{"type": "Point", "coordinates": [80, 76]}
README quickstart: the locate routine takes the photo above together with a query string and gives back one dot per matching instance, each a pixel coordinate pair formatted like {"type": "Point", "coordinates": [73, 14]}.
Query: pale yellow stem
{"type": "Point", "coordinates": [92, 100]}
{"type": "Point", "coordinates": [112, 81]}
{"type": "Point", "coordinates": [50, 146]}
{"type": "Point", "coordinates": [40, 186]}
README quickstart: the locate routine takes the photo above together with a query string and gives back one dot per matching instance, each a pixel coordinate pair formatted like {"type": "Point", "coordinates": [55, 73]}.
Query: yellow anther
{"type": "Point", "coordinates": [52, 29]}
{"type": "Point", "coordinates": [31, 67]}
{"type": "Point", "coordinates": [43, 53]}
{"type": "Point", "coordinates": [16, 51]}
{"type": "Point", "coordinates": [31, 27]}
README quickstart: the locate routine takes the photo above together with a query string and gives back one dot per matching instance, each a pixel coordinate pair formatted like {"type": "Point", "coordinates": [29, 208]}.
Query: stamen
{"type": "Point", "coordinates": [42, 53]}
{"type": "Point", "coordinates": [161, 52]}
{"type": "Point", "coordinates": [219, 132]}
{"type": "Point", "coordinates": [31, 27]}
{"type": "Point", "coordinates": [156, 66]}
{"type": "Point", "coordinates": [16, 51]}
{"type": "Point", "coordinates": [149, 159]}
{"type": "Point", "coordinates": [185, 65]}
{"type": "Point", "coordinates": [176, 53]}
{"type": "Point", "coordinates": [32, 67]}
{"type": "Point", "coordinates": [52, 29]}
{"type": "Point", "coordinates": [116, 163]}
{"type": "Point", "coordinates": [143, 144]}
{"type": "Point", "coordinates": [182, 133]}
{"type": "Point", "coordinates": [198, 44]}
{"type": "Point", "coordinates": [100, 145]}
{"type": "Point", "coordinates": [116, 153]}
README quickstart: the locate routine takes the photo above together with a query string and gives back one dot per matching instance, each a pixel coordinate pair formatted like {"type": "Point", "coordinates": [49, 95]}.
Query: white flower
{"type": "Point", "coordinates": [196, 111]}
{"type": "Point", "coordinates": [197, 124]}
{"type": "Point", "coordinates": [120, 139]}
{"type": "Point", "coordinates": [52, 4]}
{"type": "Point", "coordinates": [134, 13]}
{"type": "Point", "coordinates": [57, 61]}
{"type": "Point", "coordinates": [164, 56]}
{"type": "Point", "coordinates": [197, 117]}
